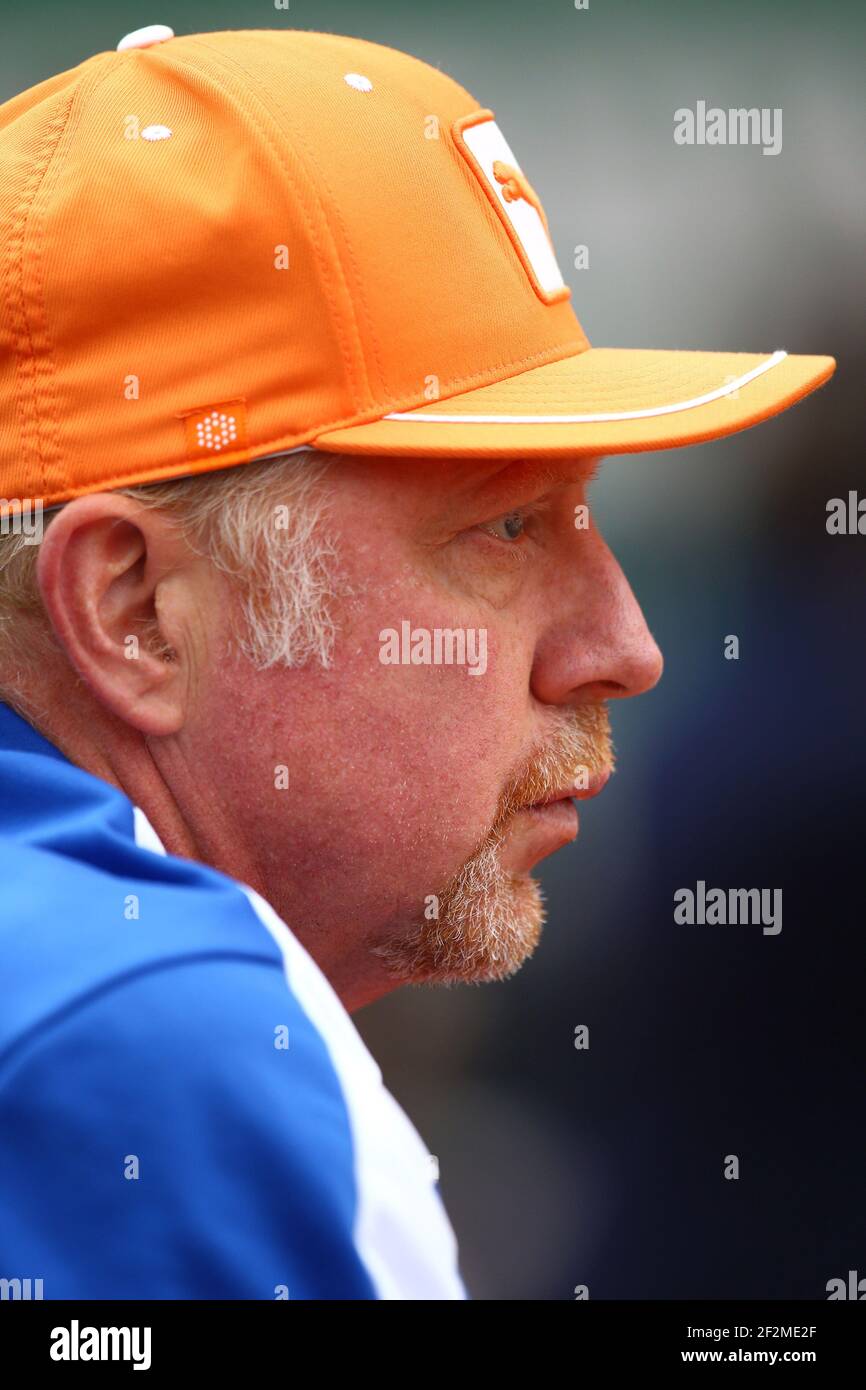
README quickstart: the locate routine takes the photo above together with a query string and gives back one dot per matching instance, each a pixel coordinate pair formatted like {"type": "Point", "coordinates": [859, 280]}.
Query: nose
{"type": "Point", "coordinates": [595, 643]}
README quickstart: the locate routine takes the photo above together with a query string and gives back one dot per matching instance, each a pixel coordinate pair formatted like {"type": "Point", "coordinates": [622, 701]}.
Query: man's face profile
{"type": "Point", "coordinates": [403, 846]}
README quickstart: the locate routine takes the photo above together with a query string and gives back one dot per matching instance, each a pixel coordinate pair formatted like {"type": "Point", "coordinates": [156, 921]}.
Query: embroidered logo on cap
{"type": "Point", "coordinates": [216, 429]}
{"type": "Point", "coordinates": [485, 148]}
{"type": "Point", "coordinates": [516, 185]}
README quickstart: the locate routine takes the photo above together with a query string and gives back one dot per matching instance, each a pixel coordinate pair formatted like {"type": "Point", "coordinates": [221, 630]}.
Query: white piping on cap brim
{"type": "Point", "coordinates": [606, 417]}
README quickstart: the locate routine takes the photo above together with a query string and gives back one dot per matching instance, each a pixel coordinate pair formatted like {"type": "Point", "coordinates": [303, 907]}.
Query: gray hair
{"type": "Point", "coordinates": [258, 522]}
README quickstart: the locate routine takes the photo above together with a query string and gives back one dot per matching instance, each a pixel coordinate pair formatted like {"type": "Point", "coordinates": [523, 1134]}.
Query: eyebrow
{"type": "Point", "coordinates": [525, 478]}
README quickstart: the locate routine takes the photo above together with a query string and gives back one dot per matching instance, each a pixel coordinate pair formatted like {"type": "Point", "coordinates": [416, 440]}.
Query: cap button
{"type": "Point", "coordinates": [146, 37]}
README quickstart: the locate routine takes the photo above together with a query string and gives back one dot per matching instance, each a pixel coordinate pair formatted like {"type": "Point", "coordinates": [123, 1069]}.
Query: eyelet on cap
{"type": "Point", "coordinates": [146, 37]}
{"type": "Point", "coordinates": [358, 81]}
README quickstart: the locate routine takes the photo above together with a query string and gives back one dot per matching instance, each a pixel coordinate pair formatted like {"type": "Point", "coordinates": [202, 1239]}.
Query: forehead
{"type": "Point", "coordinates": [453, 488]}
{"type": "Point", "coordinates": [481, 480]}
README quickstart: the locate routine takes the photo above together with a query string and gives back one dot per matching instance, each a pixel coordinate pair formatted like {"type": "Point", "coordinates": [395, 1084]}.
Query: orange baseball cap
{"type": "Point", "coordinates": [225, 246]}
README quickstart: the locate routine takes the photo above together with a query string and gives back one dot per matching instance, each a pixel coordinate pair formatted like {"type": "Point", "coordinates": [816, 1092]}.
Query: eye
{"type": "Point", "coordinates": [507, 528]}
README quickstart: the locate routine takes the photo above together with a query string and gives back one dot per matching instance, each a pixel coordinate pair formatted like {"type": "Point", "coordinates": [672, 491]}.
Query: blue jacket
{"type": "Point", "coordinates": [186, 1108]}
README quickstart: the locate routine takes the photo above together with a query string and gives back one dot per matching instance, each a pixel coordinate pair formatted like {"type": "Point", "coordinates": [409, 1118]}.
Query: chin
{"type": "Point", "coordinates": [489, 921]}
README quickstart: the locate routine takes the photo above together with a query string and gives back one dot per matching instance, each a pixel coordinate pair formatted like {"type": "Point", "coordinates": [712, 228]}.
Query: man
{"type": "Point", "coordinates": [315, 648]}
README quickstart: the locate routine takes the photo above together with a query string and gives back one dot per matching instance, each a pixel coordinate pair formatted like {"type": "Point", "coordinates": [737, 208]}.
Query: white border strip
{"type": "Point", "coordinates": [421, 417]}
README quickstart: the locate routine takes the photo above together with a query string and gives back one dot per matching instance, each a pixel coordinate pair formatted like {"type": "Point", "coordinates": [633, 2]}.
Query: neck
{"type": "Point", "coordinates": [188, 819]}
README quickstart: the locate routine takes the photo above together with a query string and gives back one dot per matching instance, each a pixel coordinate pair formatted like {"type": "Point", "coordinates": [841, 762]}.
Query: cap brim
{"type": "Point", "coordinates": [602, 401]}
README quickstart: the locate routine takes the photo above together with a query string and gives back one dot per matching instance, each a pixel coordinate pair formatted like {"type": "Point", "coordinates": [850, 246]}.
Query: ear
{"type": "Point", "coordinates": [126, 597]}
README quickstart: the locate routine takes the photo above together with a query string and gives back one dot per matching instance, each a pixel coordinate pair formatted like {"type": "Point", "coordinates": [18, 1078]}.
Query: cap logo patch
{"type": "Point", "coordinates": [516, 185]}
{"type": "Point", "coordinates": [491, 159]}
{"type": "Point", "coordinates": [216, 429]}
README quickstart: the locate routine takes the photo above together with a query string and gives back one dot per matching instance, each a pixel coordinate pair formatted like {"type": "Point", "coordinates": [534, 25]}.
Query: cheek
{"type": "Point", "coordinates": [394, 779]}
{"type": "Point", "coordinates": [439, 737]}
{"type": "Point", "coordinates": [394, 770]}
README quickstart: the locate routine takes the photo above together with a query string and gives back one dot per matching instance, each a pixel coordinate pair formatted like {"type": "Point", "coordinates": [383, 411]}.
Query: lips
{"type": "Point", "coordinates": [570, 793]}
{"type": "Point", "coordinates": [546, 826]}
{"type": "Point", "coordinates": [559, 817]}
{"type": "Point", "coordinates": [536, 832]}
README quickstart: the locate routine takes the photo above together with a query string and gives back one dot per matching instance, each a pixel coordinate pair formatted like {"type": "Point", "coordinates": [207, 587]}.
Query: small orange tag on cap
{"type": "Point", "coordinates": [216, 429]}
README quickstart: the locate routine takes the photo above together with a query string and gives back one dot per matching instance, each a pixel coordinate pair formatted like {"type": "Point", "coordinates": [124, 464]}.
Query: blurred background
{"type": "Point", "coordinates": [604, 1167]}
